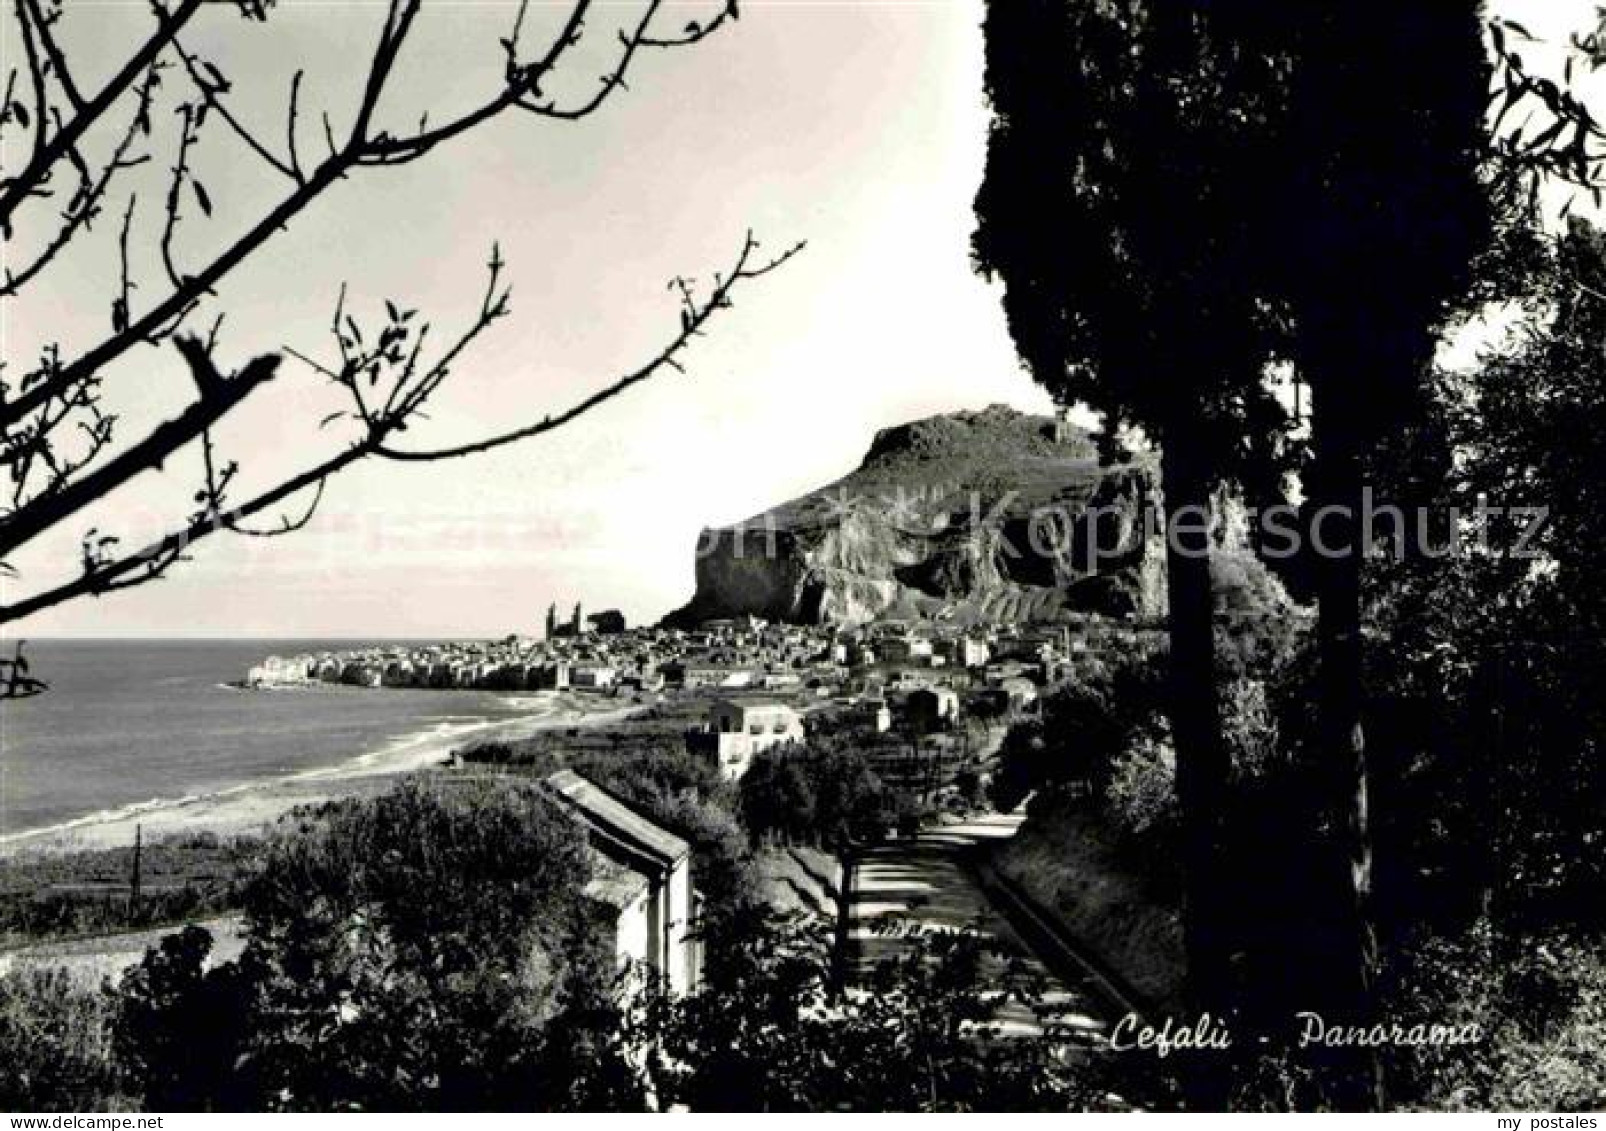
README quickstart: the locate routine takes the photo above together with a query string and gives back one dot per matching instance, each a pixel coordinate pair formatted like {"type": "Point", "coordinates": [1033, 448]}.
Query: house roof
{"type": "Point", "coordinates": [751, 705]}
{"type": "Point", "coordinates": [619, 831]}
{"type": "Point", "coordinates": [754, 709]}
{"type": "Point", "coordinates": [614, 884]}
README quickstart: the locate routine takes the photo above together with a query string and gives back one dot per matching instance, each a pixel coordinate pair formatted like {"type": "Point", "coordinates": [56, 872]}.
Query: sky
{"type": "Point", "coordinates": [856, 125]}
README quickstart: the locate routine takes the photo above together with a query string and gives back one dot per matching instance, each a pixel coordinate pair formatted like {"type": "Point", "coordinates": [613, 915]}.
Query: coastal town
{"type": "Point", "coordinates": [881, 676]}
{"type": "Point", "coordinates": [924, 705]}
{"type": "Point", "coordinates": [600, 654]}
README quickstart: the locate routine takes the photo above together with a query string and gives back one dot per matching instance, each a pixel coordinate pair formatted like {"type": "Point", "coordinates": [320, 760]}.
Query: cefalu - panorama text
{"type": "Point", "coordinates": [1209, 1033]}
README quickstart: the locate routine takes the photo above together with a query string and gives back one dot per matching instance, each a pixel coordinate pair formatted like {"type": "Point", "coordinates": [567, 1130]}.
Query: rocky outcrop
{"type": "Point", "coordinates": [988, 516]}
{"type": "Point", "coordinates": [980, 516]}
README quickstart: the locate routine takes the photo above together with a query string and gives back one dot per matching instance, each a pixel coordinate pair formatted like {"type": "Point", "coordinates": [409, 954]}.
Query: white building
{"type": "Point", "coordinates": [593, 677]}
{"type": "Point", "coordinates": [643, 873]}
{"type": "Point", "coordinates": [970, 652]}
{"type": "Point", "coordinates": [742, 728]}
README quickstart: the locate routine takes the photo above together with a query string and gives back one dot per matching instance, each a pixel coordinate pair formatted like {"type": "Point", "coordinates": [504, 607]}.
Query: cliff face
{"type": "Point", "coordinates": [990, 516]}
{"type": "Point", "coordinates": [978, 516]}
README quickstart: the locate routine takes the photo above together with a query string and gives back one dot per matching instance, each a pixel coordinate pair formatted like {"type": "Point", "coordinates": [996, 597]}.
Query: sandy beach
{"type": "Point", "coordinates": [250, 807]}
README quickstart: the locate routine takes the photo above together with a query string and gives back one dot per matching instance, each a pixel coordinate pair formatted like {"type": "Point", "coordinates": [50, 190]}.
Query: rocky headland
{"type": "Point", "coordinates": [991, 516]}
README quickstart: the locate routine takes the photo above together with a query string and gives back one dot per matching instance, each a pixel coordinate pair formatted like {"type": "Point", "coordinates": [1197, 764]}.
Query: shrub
{"type": "Point", "coordinates": [56, 1044]}
{"type": "Point", "coordinates": [403, 952]}
{"type": "Point", "coordinates": [919, 1038]}
{"type": "Point", "coordinates": [1540, 1003]}
{"type": "Point", "coordinates": [1086, 725]}
{"type": "Point", "coordinates": [1250, 727]}
{"type": "Point", "coordinates": [778, 800]}
{"type": "Point", "coordinates": [1141, 795]}
{"type": "Point", "coordinates": [88, 892]}
{"type": "Point", "coordinates": [814, 795]}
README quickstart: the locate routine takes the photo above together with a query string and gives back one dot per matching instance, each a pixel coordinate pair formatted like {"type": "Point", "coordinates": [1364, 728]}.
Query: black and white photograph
{"type": "Point", "coordinates": [818, 556]}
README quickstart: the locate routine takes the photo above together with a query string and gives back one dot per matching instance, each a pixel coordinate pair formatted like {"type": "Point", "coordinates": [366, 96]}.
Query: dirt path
{"type": "Point", "coordinates": [107, 956]}
{"type": "Point", "coordinates": [927, 882]}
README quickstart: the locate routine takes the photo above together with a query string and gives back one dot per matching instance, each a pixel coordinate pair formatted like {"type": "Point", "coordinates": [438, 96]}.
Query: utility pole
{"type": "Point", "coordinates": [133, 883]}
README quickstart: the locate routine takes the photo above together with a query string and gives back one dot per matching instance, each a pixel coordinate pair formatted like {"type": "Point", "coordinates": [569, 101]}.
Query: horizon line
{"type": "Point", "coordinates": [135, 637]}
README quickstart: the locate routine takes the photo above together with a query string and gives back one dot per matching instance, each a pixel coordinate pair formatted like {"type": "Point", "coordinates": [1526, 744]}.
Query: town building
{"type": "Point", "coordinates": [1022, 693]}
{"type": "Point", "coordinates": [930, 709]}
{"type": "Point", "coordinates": [593, 677]}
{"type": "Point", "coordinates": [966, 651]}
{"type": "Point", "coordinates": [739, 729]}
{"type": "Point", "coordinates": [553, 676]}
{"type": "Point", "coordinates": [691, 672]}
{"type": "Point", "coordinates": [870, 713]}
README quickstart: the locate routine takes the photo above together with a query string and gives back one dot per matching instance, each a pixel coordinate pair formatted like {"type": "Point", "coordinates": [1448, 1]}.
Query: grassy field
{"type": "Point", "coordinates": [90, 893]}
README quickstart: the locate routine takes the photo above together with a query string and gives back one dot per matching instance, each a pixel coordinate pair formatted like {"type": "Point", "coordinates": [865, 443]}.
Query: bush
{"type": "Point", "coordinates": [88, 892]}
{"type": "Point", "coordinates": [1540, 1004]}
{"type": "Point", "coordinates": [56, 1044]}
{"type": "Point", "coordinates": [777, 1038]}
{"type": "Point", "coordinates": [825, 797]}
{"type": "Point", "coordinates": [403, 952]}
{"type": "Point", "coordinates": [1249, 724]}
{"type": "Point", "coordinates": [1086, 725]}
{"type": "Point", "coordinates": [1142, 792]}
{"type": "Point", "coordinates": [778, 800]}
{"type": "Point", "coordinates": [178, 1031]}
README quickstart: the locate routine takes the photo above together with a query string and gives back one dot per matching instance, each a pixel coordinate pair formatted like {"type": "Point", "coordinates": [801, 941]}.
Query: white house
{"type": "Point", "coordinates": [739, 729]}
{"type": "Point", "coordinates": [593, 677]}
{"type": "Point", "coordinates": [643, 873]}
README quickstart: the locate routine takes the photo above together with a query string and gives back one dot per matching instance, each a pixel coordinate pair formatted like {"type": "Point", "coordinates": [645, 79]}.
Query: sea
{"type": "Point", "coordinates": [134, 725]}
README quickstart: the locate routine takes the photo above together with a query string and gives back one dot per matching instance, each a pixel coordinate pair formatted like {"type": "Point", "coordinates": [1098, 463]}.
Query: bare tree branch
{"type": "Point", "coordinates": [520, 80]}
{"type": "Point", "coordinates": [213, 85]}
{"type": "Point", "coordinates": [36, 77]}
{"type": "Point", "coordinates": [358, 151]}
{"type": "Point", "coordinates": [290, 127]}
{"type": "Point", "coordinates": [219, 395]}
{"type": "Point", "coordinates": [32, 179]}
{"type": "Point", "coordinates": [15, 682]}
{"type": "Point", "coordinates": [175, 190]}
{"type": "Point", "coordinates": [85, 205]}
{"type": "Point", "coordinates": [386, 373]}
{"type": "Point", "coordinates": [695, 317]}
{"type": "Point", "coordinates": [58, 62]}
{"type": "Point", "coordinates": [150, 324]}
{"type": "Point", "coordinates": [158, 557]}
{"type": "Point", "coordinates": [110, 574]}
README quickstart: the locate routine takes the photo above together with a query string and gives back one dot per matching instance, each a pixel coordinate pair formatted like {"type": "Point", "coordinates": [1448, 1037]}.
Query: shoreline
{"type": "Point", "coordinates": [250, 806]}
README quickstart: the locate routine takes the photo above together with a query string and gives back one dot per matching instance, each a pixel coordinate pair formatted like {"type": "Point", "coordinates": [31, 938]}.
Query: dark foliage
{"type": "Point", "coordinates": [826, 794]}
{"type": "Point", "coordinates": [403, 952]}
{"type": "Point", "coordinates": [917, 1037]}
{"type": "Point", "coordinates": [440, 960]}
